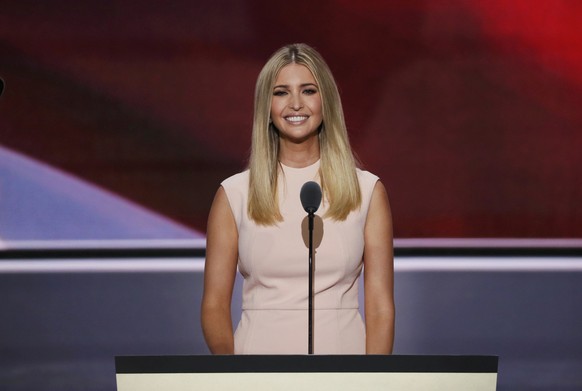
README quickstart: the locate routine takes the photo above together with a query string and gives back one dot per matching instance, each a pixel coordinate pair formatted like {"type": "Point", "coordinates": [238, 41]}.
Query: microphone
{"type": "Point", "coordinates": [1, 86]}
{"type": "Point", "coordinates": [310, 197]}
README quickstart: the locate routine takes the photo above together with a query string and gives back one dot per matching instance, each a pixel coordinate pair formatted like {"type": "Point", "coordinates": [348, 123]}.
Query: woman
{"type": "Point", "coordinates": [257, 222]}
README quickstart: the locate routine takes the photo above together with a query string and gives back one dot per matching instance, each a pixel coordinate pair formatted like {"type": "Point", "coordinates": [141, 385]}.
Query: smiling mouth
{"type": "Point", "coordinates": [296, 118]}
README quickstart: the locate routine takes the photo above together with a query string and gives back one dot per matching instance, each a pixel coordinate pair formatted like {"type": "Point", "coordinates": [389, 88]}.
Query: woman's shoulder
{"type": "Point", "coordinates": [366, 177]}
{"type": "Point", "coordinates": [236, 188]}
{"type": "Point", "coordinates": [367, 182]}
{"type": "Point", "coordinates": [239, 180]}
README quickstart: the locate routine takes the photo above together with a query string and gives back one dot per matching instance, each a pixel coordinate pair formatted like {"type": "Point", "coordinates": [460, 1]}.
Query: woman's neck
{"type": "Point", "coordinates": [299, 155]}
{"type": "Point", "coordinates": [298, 159]}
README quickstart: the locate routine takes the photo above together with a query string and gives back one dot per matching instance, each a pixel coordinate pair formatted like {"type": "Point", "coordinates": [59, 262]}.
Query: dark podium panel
{"type": "Point", "coordinates": [305, 372]}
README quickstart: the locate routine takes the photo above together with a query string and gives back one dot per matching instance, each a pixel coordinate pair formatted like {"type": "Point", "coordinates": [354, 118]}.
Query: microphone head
{"type": "Point", "coordinates": [310, 196]}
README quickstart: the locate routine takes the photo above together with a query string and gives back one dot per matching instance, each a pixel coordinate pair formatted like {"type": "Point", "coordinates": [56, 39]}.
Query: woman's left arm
{"type": "Point", "coordinates": [379, 274]}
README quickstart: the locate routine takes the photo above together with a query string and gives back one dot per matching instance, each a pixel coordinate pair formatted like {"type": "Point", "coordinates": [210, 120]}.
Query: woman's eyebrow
{"type": "Point", "coordinates": [301, 85]}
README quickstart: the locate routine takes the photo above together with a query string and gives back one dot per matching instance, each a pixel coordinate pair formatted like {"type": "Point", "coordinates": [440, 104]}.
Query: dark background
{"type": "Point", "coordinates": [121, 118]}
{"type": "Point", "coordinates": [468, 110]}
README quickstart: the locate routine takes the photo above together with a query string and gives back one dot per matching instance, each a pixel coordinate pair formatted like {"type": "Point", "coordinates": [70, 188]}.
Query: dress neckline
{"type": "Point", "coordinates": [296, 169]}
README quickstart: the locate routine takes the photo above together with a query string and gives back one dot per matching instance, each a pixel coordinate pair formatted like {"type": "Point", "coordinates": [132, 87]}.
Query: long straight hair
{"type": "Point", "coordinates": [337, 162]}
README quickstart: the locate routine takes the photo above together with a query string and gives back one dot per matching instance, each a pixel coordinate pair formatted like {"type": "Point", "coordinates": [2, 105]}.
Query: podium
{"type": "Point", "coordinates": [306, 372]}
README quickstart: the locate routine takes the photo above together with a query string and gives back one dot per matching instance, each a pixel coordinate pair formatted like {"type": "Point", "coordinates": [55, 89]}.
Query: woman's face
{"type": "Point", "coordinates": [296, 105]}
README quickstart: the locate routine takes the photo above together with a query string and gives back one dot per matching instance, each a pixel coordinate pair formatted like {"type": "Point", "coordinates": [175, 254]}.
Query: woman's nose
{"type": "Point", "coordinates": [296, 103]}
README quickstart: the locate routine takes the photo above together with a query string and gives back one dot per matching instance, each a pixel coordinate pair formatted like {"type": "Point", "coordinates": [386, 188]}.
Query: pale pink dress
{"type": "Point", "coordinates": [274, 263]}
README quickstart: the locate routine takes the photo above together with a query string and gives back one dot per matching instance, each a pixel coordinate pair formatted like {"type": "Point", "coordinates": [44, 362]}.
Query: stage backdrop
{"type": "Point", "coordinates": [469, 111]}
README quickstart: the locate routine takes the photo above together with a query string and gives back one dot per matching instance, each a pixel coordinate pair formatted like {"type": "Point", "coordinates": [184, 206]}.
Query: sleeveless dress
{"type": "Point", "coordinates": [273, 261]}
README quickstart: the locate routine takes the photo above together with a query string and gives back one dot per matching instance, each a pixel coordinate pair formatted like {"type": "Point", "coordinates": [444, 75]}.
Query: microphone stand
{"type": "Point", "coordinates": [310, 199]}
{"type": "Point", "coordinates": [310, 310]}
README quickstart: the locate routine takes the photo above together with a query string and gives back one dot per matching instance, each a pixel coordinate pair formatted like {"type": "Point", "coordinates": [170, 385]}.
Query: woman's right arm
{"type": "Point", "coordinates": [219, 276]}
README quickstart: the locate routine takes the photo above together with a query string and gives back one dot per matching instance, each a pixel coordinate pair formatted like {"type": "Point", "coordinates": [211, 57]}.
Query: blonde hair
{"type": "Point", "coordinates": [337, 162]}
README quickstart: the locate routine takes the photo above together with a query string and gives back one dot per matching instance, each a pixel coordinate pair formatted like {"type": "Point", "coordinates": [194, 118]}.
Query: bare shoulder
{"type": "Point", "coordinates": [379, 202]}
{"type": "Point", "coordinates": [220, 216]}
{"type": "Point", "coordinates": [378, 228]}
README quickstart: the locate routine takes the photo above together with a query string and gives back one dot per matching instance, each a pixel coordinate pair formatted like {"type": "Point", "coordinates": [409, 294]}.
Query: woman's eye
{"type": "Point", "coordinates": [310, 91]}
{"type": "Point", "coordinates": [279, 93]}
